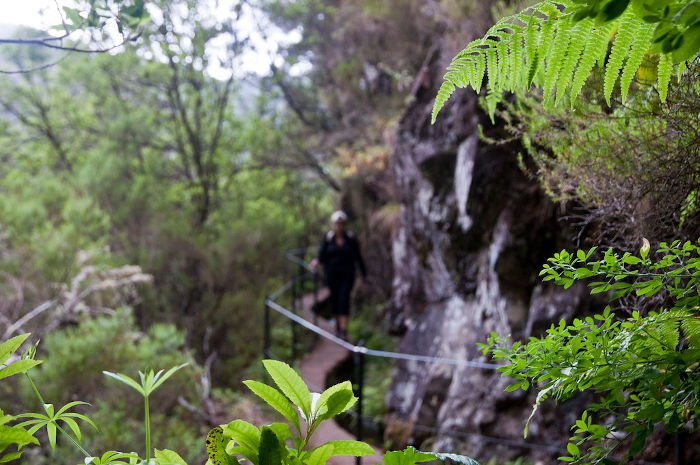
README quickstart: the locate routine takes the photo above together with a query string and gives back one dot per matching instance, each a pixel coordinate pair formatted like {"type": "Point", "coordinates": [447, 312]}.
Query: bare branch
{"type": "Point", "coordinates": [22, 321]}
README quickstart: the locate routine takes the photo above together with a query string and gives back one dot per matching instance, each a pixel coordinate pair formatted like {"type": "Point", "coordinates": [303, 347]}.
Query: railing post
{"type": "Point", "coordinates": [680, 449]}
{"type": "Point", "coordinates": [292, 324]}
{"type": "Point", "coordinates": [360, 372]}
{"type": "Point", "coordinates": [266, 330]}
{"type": "Point", "coordinates": [315, 307]}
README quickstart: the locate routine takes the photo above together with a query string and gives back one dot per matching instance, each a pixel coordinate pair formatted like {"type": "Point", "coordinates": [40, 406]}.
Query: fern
{"type": "Point", "coordinates": [479, 71]}
{"type": "Point", "coordinates": [594, 44]}
{"type": "Point", "coordinates": [629, 26]}
{"type": "Point", "coordinates": [544, 43]}
{"type": "Point", "coordinates": [640, 46]}
{"type": "Point", "coordinates": [547, 46]}
{"type": "Point", "coordinates": [502, 68]}
{"type": "Point", "coordinates": [515, 50]}
{"type": "Point", "coordinates": [492, 69]}
{"type": "Point", "coordinates": [573, 54]}
{"type": "Point", "coordinates": [555, 58]}
{"type": "Point", "coordinates": [691, 331]}
{"type": "Point", "coordinates": [531, 56]}
{"type": "Point", "coordinates": [664, 76]}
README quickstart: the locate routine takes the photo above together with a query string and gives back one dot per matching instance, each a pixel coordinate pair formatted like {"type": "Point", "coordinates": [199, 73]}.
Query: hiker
{"type": "Point", "coordinates": [339, 253]}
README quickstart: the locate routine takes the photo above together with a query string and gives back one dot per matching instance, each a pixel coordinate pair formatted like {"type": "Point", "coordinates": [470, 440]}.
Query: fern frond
{"type": "Point", "coordinates": [691, 331]}
{"type": "Point", "coordinates": [577, 43]}
{"type": "Point", "coordinates": [515, 63]}
{"type": "Point", "coordinates": [598, 40]}
{"type": "Point", "coordinates": [444, 93]}
{"type": "Point", "coordinates": [547, 46]}
{"type": "Point", "coordinates": [543, 45]}
{"type": "Point", "coordinates": [492, 99]}
{"type": "Point", "coordinates": [555, 58]}
{"type": "Point", "coordinates": [640, 46]}
{"type": "Point", "coordinates": [628, 26]}
{"type": "Point", "coordinates": [682, 66]}
{"type": "Point", "coordinates": [664, 75]}
{"type": "Point", "coordinates": [478, 71]}
{"type": "Point", "coordinates": [531, 52]}
{"type": "Point", "coordinates": [492, 69]}
{"type": "Point", "coordinates": [503, 65]}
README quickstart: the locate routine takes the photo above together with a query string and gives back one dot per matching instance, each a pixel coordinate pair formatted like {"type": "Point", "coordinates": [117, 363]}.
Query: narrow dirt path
{"type": "Point", "coordinates": [314, 368]}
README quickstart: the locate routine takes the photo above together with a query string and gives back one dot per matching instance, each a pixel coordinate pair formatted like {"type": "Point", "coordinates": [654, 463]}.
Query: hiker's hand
{"type": "Point", "coordinates": [314, 264]}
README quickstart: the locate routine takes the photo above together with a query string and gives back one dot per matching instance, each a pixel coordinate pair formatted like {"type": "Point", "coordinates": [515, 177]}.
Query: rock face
{"type": "Point", "coordinates": [474, 233]}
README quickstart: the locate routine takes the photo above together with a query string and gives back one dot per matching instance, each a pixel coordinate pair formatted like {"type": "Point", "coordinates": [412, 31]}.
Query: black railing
{"type": "Point", "coordinates": [359, 353]}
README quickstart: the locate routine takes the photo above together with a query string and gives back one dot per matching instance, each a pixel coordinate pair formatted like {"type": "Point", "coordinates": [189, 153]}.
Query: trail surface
{"type": "Point", "coordinates": [314, 368]}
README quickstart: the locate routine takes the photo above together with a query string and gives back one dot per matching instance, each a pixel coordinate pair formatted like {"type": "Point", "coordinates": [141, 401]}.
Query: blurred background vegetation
{"type": "Point", "coordinates": [146, 196]}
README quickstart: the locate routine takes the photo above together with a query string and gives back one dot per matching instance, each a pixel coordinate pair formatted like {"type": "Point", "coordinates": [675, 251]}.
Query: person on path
{"type": "Point", "coordinates": [339, 254]}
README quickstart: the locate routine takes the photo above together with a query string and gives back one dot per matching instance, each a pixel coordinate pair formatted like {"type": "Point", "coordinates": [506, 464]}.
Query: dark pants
{"type": "Point", "coordinates": [340, 285]}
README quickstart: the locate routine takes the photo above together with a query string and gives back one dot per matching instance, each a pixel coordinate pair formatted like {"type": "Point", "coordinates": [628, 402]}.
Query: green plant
{"type": "Point", "coordinates": [267, 445]}
{"type": "Point", "coordinates": [18, 435]}
{"type": "Point", "coordinates": [555, 45]}
{"type": "Point", "coordinates": [13, 434]}
{"type": "Point", "coordinates": [51, 419]}
{"type": "Point", "coordinates": [150, 381]}
{"type": "Point", "coordinates": [644, 369]}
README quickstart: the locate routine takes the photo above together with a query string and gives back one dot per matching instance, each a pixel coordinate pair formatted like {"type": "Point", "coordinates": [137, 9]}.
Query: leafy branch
{"type": "Point", "coordinates": [555, 44]}
{"type": "Point", "coordinates": [267, 445]}
{"type": "Point", "coordinates": [644, 368]}
{"type": "Point", "coordinates": [93, 17]}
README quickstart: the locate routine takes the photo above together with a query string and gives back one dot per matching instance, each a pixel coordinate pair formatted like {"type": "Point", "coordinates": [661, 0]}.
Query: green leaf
{"type": "Point", "coordinates": [577, 44]}
{"type": "Point", "coordinates": [51, 431]}
{"type": "Point", "coordinates": [73, 426]}
{"type": "Point", "coordinates": [20, 366]}
{"type": "Point", "coordinates": [639, 48]}
{"type": "Point", "coordinates": [80, 417]}
{"type": "Point", "coordinates": [167, 375]}
{"type": "Point", "coordinates": [70, 405]}
{"type": "Point", "coordinates": [320, 455]}
{"type": "Point", "coordinates": [274, 399]}
{"type": "Point", "coordinates": [573, 449]}
{"type": "Point", "coordinates": [245, 434]}
{"type": "Point", "coordinates": [354, 448]}
{"type": "Point", "coordinates": [291, 384]}
{"type": "Point", "coordinates": [408, 456]}
{"type": "Point", "coordinates": [270, 450]}
{"type": "Point", "coordinates": [168, 457]}
{"type": "Point", "coordinates": [334, 400]}
{"type": "Point", "coordinates": [623, 40]}
{"type": "Point", "coordinates": [216, 448]}
{"type": "Point", "coordinates": [612, 10]}
{"type": "Point", "coordinates": [10, 457]}
{"type": "Point", "coordinates": [689, 46]}
{"type": "Point", "coordinates": [15, 435]}
{"type": "Point", "coordinates": [126, 380]}
{"type": "Point", "coordinates": [9, 347]}
{"type": "Point", "coordinates": [637, 443]}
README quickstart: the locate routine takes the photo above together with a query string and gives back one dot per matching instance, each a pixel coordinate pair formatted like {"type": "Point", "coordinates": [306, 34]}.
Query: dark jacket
{"type": "Point", "coordinates": [341, 259]}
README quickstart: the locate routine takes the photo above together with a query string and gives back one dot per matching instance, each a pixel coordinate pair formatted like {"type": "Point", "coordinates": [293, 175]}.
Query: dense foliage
{"type": "Point", "coordinates": [156, 165]}
{"type": "Point", "coordinates": [624, 172]}
{"type": "Point", "coordinates": [138, 180]}
{"type": "Point", "coordinates": [643, 368]}
{"type": "Point", "coordinates": [265, 445]}
{"type": "Point", "coordinates": [556, 44]}
{"type": "Point", "coordinates": [632, 166]}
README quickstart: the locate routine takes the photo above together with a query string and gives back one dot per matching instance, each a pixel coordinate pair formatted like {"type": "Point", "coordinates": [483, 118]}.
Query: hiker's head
{"type": "Point", "coordinates": [340, 221]}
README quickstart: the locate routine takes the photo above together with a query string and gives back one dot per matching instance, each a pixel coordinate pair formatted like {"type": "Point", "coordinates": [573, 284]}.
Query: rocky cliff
{"type": "Point", "coordinates": [474, 232]}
